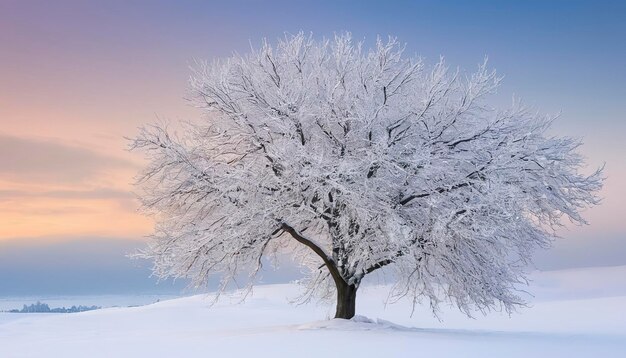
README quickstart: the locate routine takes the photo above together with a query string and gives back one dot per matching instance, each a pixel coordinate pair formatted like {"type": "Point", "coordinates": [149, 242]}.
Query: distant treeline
{"type": "Point", "coordinates": [44, 308]}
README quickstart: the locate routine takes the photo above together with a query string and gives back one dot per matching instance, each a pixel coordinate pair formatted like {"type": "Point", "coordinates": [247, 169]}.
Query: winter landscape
{"type": "Point", "coordinates": [353, 179]}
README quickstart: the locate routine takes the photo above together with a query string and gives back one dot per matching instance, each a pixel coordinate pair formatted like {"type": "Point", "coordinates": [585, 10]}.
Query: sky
{"type": "Point", "coordinates": [76, 77]}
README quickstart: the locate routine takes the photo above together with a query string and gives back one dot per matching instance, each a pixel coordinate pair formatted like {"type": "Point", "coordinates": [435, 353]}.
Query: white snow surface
{"type": "Point", "coordinates": [575, 313]}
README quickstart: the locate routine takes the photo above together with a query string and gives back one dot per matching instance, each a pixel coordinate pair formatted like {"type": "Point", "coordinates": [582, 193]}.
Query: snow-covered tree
{"type": "Point", "coordinates": [356, 159]}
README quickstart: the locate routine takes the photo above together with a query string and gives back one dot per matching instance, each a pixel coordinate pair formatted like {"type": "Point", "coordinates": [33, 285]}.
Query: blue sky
{"type": "Point", "coordinates": [78, 76]}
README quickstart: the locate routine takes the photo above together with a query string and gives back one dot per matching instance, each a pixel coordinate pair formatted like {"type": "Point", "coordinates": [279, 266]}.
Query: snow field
{"type": "Point", "coordinates": [267, 325]}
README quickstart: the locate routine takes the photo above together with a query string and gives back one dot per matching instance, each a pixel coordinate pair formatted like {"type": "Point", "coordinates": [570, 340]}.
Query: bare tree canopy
{"type": "Point", "coordinates": [355, 159]}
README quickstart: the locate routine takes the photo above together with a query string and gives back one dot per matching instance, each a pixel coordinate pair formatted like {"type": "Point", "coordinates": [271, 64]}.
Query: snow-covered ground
{"type": "Point", "coordinates": [575, 313]}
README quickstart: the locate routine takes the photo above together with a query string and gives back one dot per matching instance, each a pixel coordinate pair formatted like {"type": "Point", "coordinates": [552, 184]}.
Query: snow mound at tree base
{"type": "Point", "coordinates": [357, 323]}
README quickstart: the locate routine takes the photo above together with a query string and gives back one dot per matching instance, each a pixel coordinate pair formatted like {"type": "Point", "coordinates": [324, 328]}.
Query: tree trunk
{"type": "Point", "coordinates": [346, 294]}
{"type": "Point", "coordinates": [346, 300]}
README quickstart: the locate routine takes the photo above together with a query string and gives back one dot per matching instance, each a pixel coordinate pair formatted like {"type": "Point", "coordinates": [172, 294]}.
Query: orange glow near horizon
{"type": "Point", "coordinates": [56, 218]}
{"type": "Point", "coordinates": [95, 207]}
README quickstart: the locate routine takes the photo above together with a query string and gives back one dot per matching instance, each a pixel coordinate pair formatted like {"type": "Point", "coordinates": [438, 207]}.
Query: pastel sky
{"type": "Point", "coordinates": [78, 76]}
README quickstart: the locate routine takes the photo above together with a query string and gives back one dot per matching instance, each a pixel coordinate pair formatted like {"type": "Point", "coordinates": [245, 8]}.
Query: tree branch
{"type": "Point", "coordinates": [328, 261]}
{"type": "Point", "coordinates": [379, 264]}
{"type": "Point", "coordinates": [409, 198]}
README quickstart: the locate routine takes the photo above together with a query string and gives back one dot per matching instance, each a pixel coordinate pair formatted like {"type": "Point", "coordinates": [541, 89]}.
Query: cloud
{"type": "Point", "coordinates": [55, 265]}
{"type": "Point", "coordinates": [57, 202]}
{"type": "Point", "coordinates": [597, 249]}
{"type": "Point", "coordinates": [99, 193]}
{"type": "Point", "coordinates": [85, 265]}
{"type": "Point", "coordinates": [66, 210]}
{"type": "Point", "coordinates": [37, 160]}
